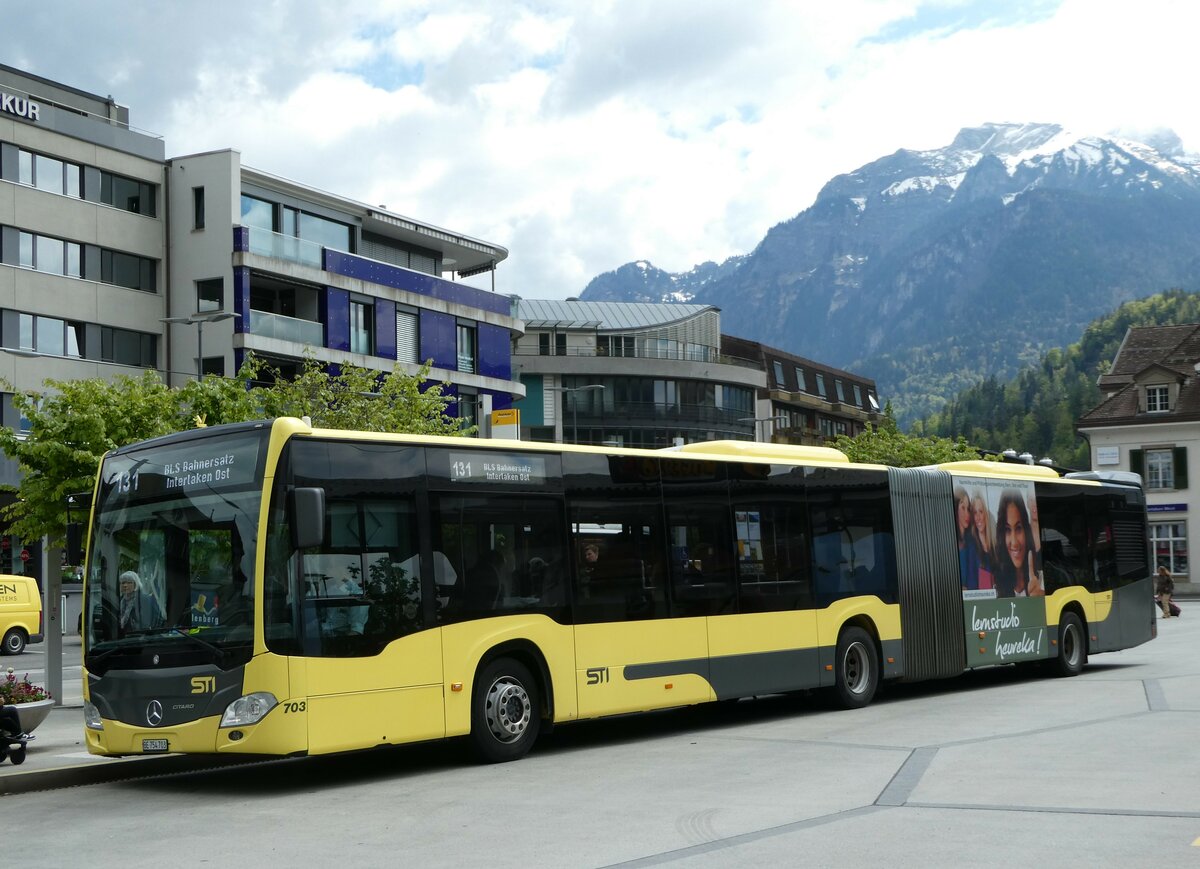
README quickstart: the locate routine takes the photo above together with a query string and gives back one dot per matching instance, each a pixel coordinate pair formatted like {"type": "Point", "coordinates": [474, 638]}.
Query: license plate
{"type": "Point", "coordinates": [154, 746]}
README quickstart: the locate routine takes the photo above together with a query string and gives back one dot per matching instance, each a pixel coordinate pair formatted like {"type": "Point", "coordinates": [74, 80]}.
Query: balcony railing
{"type": "Point", "coordinates": [268, 325]}
{"type": "Point", "coordinates": [288, 247]}
{"type": "Point", "coordinates": [679, 355]}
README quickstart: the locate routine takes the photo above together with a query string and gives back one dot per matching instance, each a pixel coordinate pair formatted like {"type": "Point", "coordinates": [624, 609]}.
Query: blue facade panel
{"type": "Point", "coordinates": [494, 351]}
{"type": "Point", "coordinates": [241, 238]}
{"type": "Point", "coordinates": [241, 299]}
{"type": "Point", "coordinates": [500, 400]}
{"type": "Point", "coordinates": [385, 328]}
{"type": "Point", "coordinates": [387, 275]}
{"type": "Point", "coordinates": [439, 340]}
{"type": "Point", "coordinates": [335, 313]}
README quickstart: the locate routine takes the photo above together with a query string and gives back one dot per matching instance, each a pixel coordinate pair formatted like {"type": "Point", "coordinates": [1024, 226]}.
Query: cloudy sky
{"type": "Point", "coordinates": [582, 136]}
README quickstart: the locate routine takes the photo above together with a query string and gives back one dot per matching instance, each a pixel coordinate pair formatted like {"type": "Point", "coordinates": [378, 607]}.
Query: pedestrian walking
{"type": "Point", "coordinates": [1165, 587]}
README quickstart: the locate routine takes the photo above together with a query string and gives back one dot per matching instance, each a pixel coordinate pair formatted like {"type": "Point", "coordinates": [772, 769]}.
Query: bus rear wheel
{"type": "Point", "coordinates": [505, 711]}
{"type": "Point", "coordinates": [856, 669]}
{"type": "Point", "coordinates": [1072, 647]}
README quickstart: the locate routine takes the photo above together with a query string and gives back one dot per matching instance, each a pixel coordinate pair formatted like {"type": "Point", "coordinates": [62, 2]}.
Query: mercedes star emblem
{"type": "Point", "coordinates": [154, 713]}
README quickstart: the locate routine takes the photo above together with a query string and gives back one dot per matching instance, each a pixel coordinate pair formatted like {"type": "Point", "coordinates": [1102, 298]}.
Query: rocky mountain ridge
{"type": "Point", "coordinates": [930, 270]}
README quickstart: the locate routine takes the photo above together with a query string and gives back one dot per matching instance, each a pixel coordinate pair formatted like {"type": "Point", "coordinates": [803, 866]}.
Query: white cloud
{"type": "Point", "coordinates": [583, 136]}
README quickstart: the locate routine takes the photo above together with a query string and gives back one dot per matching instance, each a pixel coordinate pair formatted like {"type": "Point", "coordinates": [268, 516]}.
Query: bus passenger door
{"type": "Point", "coordinates": [372, 666]}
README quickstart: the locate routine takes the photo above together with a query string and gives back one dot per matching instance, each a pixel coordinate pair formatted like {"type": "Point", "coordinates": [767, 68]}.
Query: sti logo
{"type": "Point", "coordinates": [19, 106]}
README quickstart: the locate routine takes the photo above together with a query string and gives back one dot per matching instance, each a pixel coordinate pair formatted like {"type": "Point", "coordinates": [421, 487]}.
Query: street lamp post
{"type": "Point", "coordinates": [575, 406]}
{"type": "Point", "coordinates": [198, 320]}
{"type": "Point", "coordinates": [757, 419]}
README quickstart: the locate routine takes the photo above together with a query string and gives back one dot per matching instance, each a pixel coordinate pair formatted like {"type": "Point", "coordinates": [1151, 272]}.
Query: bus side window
{"type": "Point", "coordinates": [773, 561]}
{"type": "Point", "coordinates": [507, 552]}
{"type": "Point", "coordinates": [618, 554]}
{"type": "Point", "coordinates": [702, 562]}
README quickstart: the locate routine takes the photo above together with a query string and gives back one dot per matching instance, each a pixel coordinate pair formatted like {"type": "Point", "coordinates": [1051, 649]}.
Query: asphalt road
{"type": "Point", "coordinates": [998, 768]}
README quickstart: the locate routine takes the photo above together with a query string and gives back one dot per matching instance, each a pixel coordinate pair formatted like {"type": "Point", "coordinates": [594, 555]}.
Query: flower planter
{"type": "Point", "coordinates": [32, 714]}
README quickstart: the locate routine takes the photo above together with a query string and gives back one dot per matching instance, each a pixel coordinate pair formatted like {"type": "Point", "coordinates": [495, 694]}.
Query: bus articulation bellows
{"type": "Point", "coordinates": [270, 588]}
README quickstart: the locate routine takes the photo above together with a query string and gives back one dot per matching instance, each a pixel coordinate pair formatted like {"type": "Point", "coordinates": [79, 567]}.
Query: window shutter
{"type": "Point", "coordinates": [1181, 468]}
{"type": "Point", "coordinates": [1136, 463]}
{"type": "Point", "coordinates": [407, 341]}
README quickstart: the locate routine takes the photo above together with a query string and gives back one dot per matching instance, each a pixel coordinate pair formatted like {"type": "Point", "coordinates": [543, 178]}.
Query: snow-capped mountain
{"type": "Point", "coordinates": [929, 270]}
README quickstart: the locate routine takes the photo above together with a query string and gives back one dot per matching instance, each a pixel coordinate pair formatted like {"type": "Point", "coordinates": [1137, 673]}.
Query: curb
{"type": "Point", "coordinates": [23, 781]}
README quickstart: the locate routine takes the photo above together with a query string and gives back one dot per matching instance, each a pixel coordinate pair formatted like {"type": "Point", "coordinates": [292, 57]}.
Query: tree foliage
{"type": "Point", "coordinates": [1036, 410]}
{"type": "Point", "coordinates": [73, 423]}
{"type": "Point", "coordinates": [885, 444]}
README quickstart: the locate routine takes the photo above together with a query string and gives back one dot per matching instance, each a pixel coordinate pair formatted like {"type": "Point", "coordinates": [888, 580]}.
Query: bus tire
{"type": "Point", "coordinates": [1072, 646]}
{"type": "Point", "coordinates": [14, 642]}
{"type": "Point", "coordinates": [856, 669]}
{"type": "Point", "coordinates": [505, 711]}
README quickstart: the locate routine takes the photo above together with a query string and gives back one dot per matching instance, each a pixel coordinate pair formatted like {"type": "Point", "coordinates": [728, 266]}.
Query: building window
{"type": "Point", "coordinates": [800, 384]}
{"type": "Point", "coordinates": [127, 270]}
{"type": "Point", "coordinates": [1157, 399]}
{"type": "Point", "coordinates": [49, 335]}
{"type": "Point", "coordinates": [51, 255]}
{"type": "Point", "coordinates": [841, 391]}
{"type": "Point", "coordinates": [560, 344]}
{"type": "Point", "coordinates": [778, 366]}
{"type": "Point", "coordinates": [857, 396]}
{"type": "Point", "coordinates": [1160, 469]}
{"type": "Point", "coordinates": [210, 294]}
{"type": "Point", "coordinates": [821, 385]}
{"type": "Point", "coordinates": [466, 349]}
{"type": "Point", "coordinates": [362, 322]}
{"type": "Point", "coordinates": [197, 208]}
{"type": "Point", "coordinates": [826, 425]}
{"type": "Point", "coordinates": [408, 345]}
{"type": "Point", "coordinates": [1170, 545]}
{"type": "Point", "coordinates": [213, 365]}
{"type": "Point", "coordinates": [127, 194]}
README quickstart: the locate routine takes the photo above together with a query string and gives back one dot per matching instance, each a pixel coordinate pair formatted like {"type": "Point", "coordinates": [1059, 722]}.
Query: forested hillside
{"type": "Point", "coordinates": [1037, 409]}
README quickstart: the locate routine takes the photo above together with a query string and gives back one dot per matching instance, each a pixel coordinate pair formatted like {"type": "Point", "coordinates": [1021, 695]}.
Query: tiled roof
{"type": "Point", "coordinates": [1172, 349]}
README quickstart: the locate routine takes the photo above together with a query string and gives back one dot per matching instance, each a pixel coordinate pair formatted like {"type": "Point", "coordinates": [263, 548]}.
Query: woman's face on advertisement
{"type": "Point", "coordinates": [1014, 535]}
{"type": "Point", "coordinates": [964, 514]}
{"type": "Point", "coordinates": [980, 516]}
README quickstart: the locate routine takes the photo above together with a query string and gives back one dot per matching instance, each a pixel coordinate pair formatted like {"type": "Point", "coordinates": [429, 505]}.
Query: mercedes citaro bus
{"type": "Point", "coordinates": [275, 589]}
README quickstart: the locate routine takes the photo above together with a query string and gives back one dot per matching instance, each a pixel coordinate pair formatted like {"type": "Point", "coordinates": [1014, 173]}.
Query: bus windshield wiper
{"type": "Point", "coordinates": [217, 650]}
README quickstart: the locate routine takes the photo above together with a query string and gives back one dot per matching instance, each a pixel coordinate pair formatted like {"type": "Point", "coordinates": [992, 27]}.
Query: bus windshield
{"type": "Point", "coordinates": [172, 554]}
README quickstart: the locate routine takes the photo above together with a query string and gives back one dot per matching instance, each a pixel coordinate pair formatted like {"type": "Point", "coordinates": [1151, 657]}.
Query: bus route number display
{"type": "Point", "coordinates": [472, 467]}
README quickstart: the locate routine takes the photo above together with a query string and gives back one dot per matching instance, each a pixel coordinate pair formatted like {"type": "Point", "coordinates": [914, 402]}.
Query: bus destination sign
{"type": "Point", "coordinates": [480, 467]}
{"type": "Point", "coordinates": [180, 469]}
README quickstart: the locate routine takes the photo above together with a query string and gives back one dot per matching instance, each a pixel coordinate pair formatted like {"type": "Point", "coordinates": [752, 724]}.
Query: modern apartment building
{"type": "Point", "coordinates": [1149, 422]}
{"type": "Point", "coordinates": [83, 241]}
{"type": "Point", "coordinates": [630, 374]}
{"type": "Point", "coordinates": [802, 401]}
{"type": "Point", "coordinates": [259, 263]}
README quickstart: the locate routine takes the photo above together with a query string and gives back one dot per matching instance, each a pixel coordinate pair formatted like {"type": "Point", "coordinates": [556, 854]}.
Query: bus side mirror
{"type": "Point", "coordinates": [74, 543]}
{"type": "Point", "coordinates": [307, 517]}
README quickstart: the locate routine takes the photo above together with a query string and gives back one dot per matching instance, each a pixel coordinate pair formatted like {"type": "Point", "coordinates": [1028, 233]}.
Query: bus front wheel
{"type": "Point", "coordinates": [1072, 647]}
{"type": "Point", "coordinates": [857, 668]}
{"type": "Point", "coordinates": [505, 711]}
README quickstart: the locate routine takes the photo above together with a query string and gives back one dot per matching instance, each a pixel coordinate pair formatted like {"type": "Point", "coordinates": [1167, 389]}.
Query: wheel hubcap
{"type": "Point", "coordinates": [508, 710]}
{"type": "Point", "coordinates": [856, 668]}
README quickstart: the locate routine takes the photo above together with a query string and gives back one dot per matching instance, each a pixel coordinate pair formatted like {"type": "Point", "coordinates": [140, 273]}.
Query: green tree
{"type": "Point", "coordinates": [71, 426]}
{"type": "Point", "coordinates": [885, 444]}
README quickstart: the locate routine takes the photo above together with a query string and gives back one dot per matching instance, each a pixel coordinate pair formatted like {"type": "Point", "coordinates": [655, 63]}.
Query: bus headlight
{"type": "Point", "coordinates": [91, 717]}
{"type": "Point", "coordinates": [248, 709]}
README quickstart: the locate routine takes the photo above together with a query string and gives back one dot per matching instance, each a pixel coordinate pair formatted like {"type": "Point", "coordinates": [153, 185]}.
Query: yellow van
{"type": "Point", "coordinates": [20, 613]}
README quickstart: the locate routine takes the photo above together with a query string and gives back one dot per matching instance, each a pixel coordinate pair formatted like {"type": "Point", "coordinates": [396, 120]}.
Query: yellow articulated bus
{"type": "Point", "coordinates": [275, 589]}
